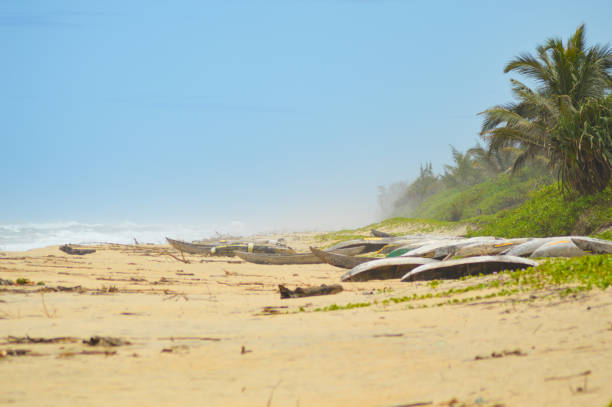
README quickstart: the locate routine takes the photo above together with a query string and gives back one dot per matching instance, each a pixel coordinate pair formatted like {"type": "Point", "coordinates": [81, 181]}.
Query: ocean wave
{"type": "Point", "coordinates": [25, 236]}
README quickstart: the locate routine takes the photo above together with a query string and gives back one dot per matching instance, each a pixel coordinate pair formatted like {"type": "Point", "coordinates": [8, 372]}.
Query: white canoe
{"type": "Point", "coordinates": [442, 248]}
{"type": "Point", "coordinates": [563, 247]}
{"type": "Point", "coordinates": [525, 249]}
{"type": "Point", "coordinates": [592, 245]}
{"type": "Point", "coordinates": [385, 269]}
{"type": "Point", "coordinates": [470, 266]}
{"type": "Point", "coordinates": [488, 248]}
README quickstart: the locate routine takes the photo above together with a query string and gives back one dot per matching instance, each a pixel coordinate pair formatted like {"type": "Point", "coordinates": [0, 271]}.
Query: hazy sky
{"type": "Point", "coordinates": [274, 113]}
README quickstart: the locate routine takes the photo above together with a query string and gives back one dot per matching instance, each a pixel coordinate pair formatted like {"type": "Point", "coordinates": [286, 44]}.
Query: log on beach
{"type": "Point", "coordinates": [71, 250]}
{"type": "Point", "coordinates": [309, 291]}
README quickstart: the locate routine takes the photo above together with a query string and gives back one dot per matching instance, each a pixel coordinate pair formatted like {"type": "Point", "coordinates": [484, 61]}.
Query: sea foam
{"type": "Point", "coordinates": [25, 236]}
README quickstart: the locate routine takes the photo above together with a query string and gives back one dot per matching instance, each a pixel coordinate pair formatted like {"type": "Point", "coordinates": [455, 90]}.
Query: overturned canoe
{"type": "Point", "coordinates": [564, 247]}
{"type": "Point", "coordinates": [525, 249]}
{"type": "Point", "coordinates": [369, 244]}
{"type": "Point", "coordinates": [592, 245]}
{"type": "Point", "coordinates": [405, 248]}
{"type": "Point", "coordinates": [340, 259]}
{"type": "Point", "coordinates": [488, 248]}
{"type": "Point", "coordinates": [379, 233]}
{"type": "Point", "coordinates": [385, 269]}
{"type": "Point", "coordinates": [440, 249]}
{"type": "Point", "coordinates": [470, 266]}
{"type": "Point", "coordinates": [295, 258]}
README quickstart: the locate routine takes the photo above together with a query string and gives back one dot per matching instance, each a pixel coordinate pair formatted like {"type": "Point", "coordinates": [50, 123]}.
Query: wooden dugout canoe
{"type": "Point", "coordinates": [592, 245]}
{"type": "Point", "coordinates": [369, 244]}
{"type": "Point", "coordinates": [385, 269]}
{"type": "Point", "coordinates": [442, 248]}
{"type": "Point", "coordinates": [470, 266]}
{"type": "Point", "coordinates": [267, 258]}
{"type": "Point", "coordinates": [564, 247]}
{"type": "Point", "coordinates": [191, 248]}
{"type": "Point", "coordinates": [227, 249]}
{"type": "Point", "coordinates": [295, 258]}
{"type": "Point", "coordinates": [488, 248]}
{"type": "Point", "coordinates": [231, 249]}
{"type": "Point", "coordinates": [340, 259]}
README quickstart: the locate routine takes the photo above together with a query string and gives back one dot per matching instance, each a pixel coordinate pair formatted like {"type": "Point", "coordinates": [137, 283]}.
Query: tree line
{"type": "Point", "coordinates": [563, 126]}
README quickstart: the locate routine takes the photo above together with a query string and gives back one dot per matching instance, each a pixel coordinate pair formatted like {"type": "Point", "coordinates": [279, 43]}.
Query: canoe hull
{"type": "Point", "coordinates": [592, 245]}
{"type": "Point", "coordinates": [378, 233]}
{"type": "Point", "coordinates": [227, 249]}
{"type": "Point", "coordinates": [285, 259]}
{"type": "Point", "coordinates": [265, 258]}
{"type": "Point", "coordinates": [191, 248]}
{"type": "Point", "coordinates": [471, 266]}
{"type": "Point", "coordinates": [338, 259]}
{"type": "Point", "coordinates": [385, 269]}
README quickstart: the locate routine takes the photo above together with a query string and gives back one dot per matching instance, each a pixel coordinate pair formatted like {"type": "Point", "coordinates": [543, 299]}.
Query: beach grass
{"type": "Point", "coordinates": [553, 278]}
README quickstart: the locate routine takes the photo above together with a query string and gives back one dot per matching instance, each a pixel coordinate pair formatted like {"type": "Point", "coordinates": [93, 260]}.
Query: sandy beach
{"type": "Point", "coordinates": [215, 332]}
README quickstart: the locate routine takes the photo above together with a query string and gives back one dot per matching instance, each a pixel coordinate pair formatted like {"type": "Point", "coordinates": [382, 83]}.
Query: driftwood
{"type": "Point", "coordinates": [105, 341]}
{"type": "Point", "coordinates": [70, 250]}
{"type": "Point", "coordinates": [27, 339]}
{"type": "Point", "coordinates": [309, 291]}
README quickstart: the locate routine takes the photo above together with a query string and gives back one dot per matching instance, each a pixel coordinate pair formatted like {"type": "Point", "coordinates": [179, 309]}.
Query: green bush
{"type": "Point", "coordinates": [549, 213]}
{"type": "Point", "coordinates": [502, 192]}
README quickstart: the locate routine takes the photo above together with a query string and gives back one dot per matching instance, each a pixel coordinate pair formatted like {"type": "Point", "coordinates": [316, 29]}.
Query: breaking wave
{"type": "Point", "coordinates": [25, 236]}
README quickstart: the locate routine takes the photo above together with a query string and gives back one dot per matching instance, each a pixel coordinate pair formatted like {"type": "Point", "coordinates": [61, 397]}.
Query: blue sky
{"type": "Point", "coordinates": [275, 113]}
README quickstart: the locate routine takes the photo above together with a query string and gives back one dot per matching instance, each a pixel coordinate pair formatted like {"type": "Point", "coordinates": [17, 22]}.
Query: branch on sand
{"type": "Point", "coordinates": [309, 291]}
{"type": "Point", "coordinates": [71, 250]}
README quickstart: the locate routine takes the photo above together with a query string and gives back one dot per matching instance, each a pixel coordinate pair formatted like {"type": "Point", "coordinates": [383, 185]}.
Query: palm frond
{"type": "Point", "coordinates": [529, 66]}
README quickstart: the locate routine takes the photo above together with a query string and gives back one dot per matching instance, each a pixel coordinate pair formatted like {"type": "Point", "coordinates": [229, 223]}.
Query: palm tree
{"type": "Point", "coordinates": [567, 77]}
{"type": "Point", "coordinates": [571, 72]}
{"type": "Point", "coordinates": [583, 147]}
{"type": "Point", "coordinates": [524, 125]}
{"type": "Point", "coordinates": [464, 173]}
{"type": "Point", "coordinates": [493, 162]}
{"type": "Point", "coordinates": [423, 186]}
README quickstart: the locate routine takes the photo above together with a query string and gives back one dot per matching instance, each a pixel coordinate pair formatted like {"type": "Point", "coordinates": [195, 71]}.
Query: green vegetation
{"type": "Point", "coordinates": [406, 224]}
{"type": "Point", "coordinates": [516, 205]}
{"type": "Point", "coordinates": [585, 272]}
{"type": "Point", "coordinates": [335, 307]}
{"type": "Point", "coordinates": [554, 277]}
{"type": "Point", "coordinates": [418, 225]}
{"type": "Point", "coordinates": [478, 182]}
{"type": "Point", "coordinates": [340, 236]}
{"type": "Point", "coordinates": [510, 206]}
{"type": "Point", "coordinates": [23, 281]}
{"type": "Point", "coordinates": [583, 147]}
{"type": "Point", "coordinates": [489, 197]}
{"type": "Point", "coordinates": [549, 213]}
{"type": "Point", "coordinates": [567, 119]}
{"type": "Point", "coordinates": [562, 129]}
